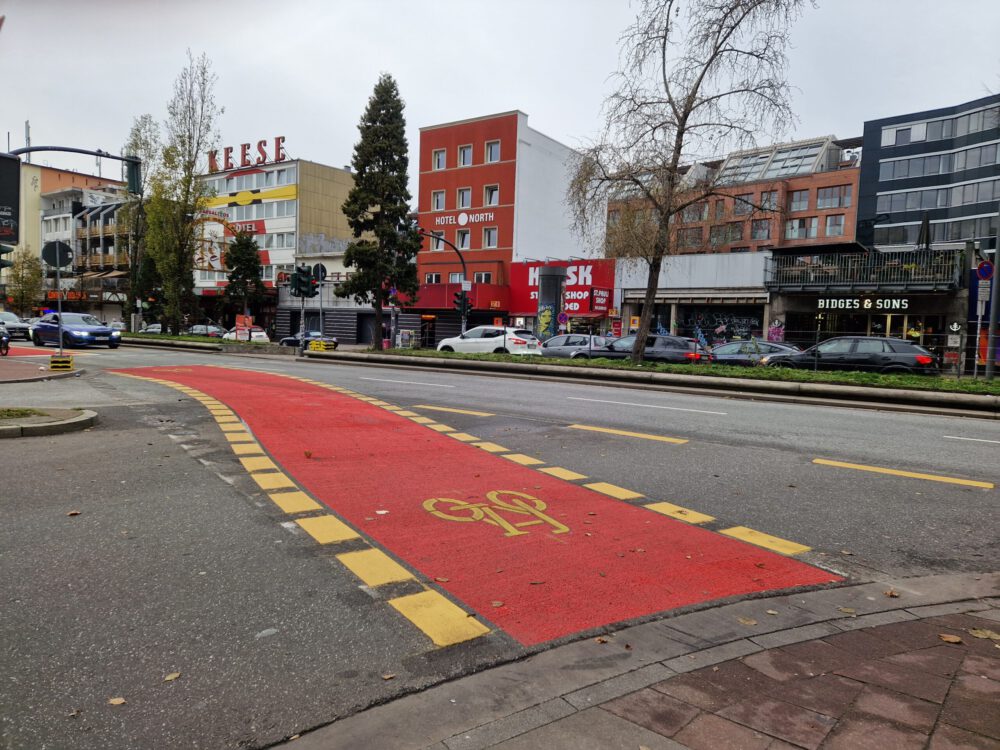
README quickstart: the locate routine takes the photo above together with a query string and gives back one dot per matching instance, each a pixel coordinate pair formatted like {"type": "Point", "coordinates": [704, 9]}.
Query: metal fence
{"type": "Point", "coordinates": [911, 270]}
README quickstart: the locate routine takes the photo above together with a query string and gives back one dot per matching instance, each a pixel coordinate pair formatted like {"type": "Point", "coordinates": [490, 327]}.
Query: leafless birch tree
{"type": "Point", "coordinates": [696, 81]}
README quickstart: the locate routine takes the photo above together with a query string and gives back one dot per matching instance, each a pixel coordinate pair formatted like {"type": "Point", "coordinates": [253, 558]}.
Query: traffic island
{"type": "Point", "coordinates": [32, 422]}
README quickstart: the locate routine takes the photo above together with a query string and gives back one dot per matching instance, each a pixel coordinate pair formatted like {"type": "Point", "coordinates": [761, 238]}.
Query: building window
{"type": "Point", "coordinates": [838, 196]}
{"type": "Point", "coordinates": [464, 156]}
{"type": "Point", "coordinates": [835, 225]}
{"type": "Point", "coordinates": [723, 234]}
{"type": "Point", "coordinates": [490, 237]}
{"type": "Point", "coordinates": [720, 209]}
{"type": "Point", "coordinates": [902, 136]}
{"type": "Point", "coordinates": [760, 229]}
{"type": "Point", "coordinates": [483, 277]}
{"type": "Point", "coordinates": [455, 278]}
{"type": "Point", "coordinates": [437, 240]}
{"type": "Point", "coordinates": [438, 159]}
{"type": "Point", "coordinates": [432, 278]}
{"type": "Point", "coordinates": [801, 229]}
{"type": "Point", "coordinates": [492, 151]}
{"type": "Point", "coordinates": [743, 204]}
{"type": "Point", "coordinates": [437, 200]}
{"type": "Point", "coordinates": [691, 237]}
{"type": "Point", "coordinates": [491, 195]}
{"type": "Point", "coordinates": [695, 212]}
{"type": "Point", "coordinates": [464, 197]}
{"type": "Point", "coordinates": [798, 200]}
{"type": "Point", "coordinates": [462, 239]}
{"type": "Point", "coordinates": [769, 200]}
{"type": "Point", "coordinates": [740, 250]}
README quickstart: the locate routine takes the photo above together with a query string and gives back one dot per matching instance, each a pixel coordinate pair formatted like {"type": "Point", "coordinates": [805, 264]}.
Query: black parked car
{"type": "Point", "coordinates": [748, 353]}
{"type": "Point", "coordinates": [867, 353]}
{"type": "Point", "coordinates": [293, 340]}
{"type": "Point", "coordinates": [674, 349]}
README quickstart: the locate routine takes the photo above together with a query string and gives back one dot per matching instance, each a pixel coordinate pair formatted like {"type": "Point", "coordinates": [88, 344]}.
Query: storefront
{"type": "Point", "coordinates": [587, 300]}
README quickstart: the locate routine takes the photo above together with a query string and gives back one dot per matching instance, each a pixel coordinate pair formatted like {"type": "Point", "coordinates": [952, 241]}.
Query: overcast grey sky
{"type": "Point", "coordinates": [80, 71]}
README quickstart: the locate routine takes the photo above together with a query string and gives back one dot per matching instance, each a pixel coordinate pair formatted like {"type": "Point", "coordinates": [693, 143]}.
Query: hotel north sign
{"type": "Point", "coordinates": [879, 304]}
{"type": "Point", "coordinates": [464, 218]}
{"type": "Point", "coordinates": [249, 156]}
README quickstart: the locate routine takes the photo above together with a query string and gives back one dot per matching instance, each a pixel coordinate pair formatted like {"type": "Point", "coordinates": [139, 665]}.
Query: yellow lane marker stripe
{"type": "Point", "coordinates": [327, 529]}
{"type": "Point", "coordinates": [405, 413]}
{"type": "Point", "coordinates": [421, 420]}
{"type": "Point", "coordinates": [294, 502]}
{"type": "Point", "coordinates": [441, 428]}
{"type": "Point", "coordinates": [227, 420]}
{"type": "Point", "coordinates": [463, 436]}
{"type": "Point", "coordinates": [374, 567]}
{"type": "Point", "coordinates": [258, 463]}
{"type": "Point", "coordinates": [232, 427]}
{"type": "Point", "coordinates": [560, 473]}
{"type": "Point", "coordinates": [898, 473]}
{"type": "Point", "coordinates": [682, 514]}
{"type": "Point", "coordinates": [760, 539]}
{"type": "Point", "coordinates": [454, 411]}
{"type": "Point", "coordinates": [626, 433]}
{"type": "Point", "coordinates": [613, 490]}
{"type": "Point", "coordinates": [246, 449]}
{"type": "Point", "coordinates": [520, 458]}
{"type": "Point", "coordinates": [272, 480]}
{"type": "Point", "coordinates": [240, 437]}
{"type": "Point", "coordinates": [443, 622]}
{"type": "Point", "coordinates": [491, 447]}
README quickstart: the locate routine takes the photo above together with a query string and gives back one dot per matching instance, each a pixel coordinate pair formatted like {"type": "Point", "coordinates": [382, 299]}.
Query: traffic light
{"type": "Point", "coordinates": [303, 282]}
{"type": "Point", "coordinates": [460, 301]}
{"type": "Point", "coordinates": [133, 174]}
{"type": "Point", "coordinates": [293, 284]}
{"type": "Point", "coordinates": [4, 250]}
{"type": "Point", "coordinates": [312, 282]}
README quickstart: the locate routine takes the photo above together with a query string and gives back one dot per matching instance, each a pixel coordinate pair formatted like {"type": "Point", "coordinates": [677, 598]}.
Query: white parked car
{"type": "Point", "coordinates": [493, 339]}
{"type": "Point", "coordinates": [256, 334]}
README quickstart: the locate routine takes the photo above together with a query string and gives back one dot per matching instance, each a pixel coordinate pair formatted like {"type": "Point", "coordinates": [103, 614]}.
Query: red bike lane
{"type": "Point", "coordinates": [539, 557]}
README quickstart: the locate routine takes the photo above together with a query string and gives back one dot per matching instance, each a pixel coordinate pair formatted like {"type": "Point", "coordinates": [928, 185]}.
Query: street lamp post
{"type": "Point", "coordinates": [465, 270]}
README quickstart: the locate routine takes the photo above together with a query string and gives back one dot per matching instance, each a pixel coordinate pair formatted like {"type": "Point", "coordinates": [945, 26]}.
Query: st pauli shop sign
{"type": "Point", "coordinates": [589, 285]}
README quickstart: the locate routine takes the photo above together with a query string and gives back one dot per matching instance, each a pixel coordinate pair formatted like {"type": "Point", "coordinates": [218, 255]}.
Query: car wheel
{"type": "Point", "coordinates": [4, 347]}
{"type": "Point", "coordinates": [781, 363]}
{"type": "Point", "coordinates": [579, 355]}
{"type": "Point", "coordinates": [37, 340]}
{"type": "Point", "coordinates": [501, 350]}
{"type": "Point", "coordinates": [113, 346]}
{"type": "Point", "coordinates": [67, 341]}
{"type": "Point", "coordinates": [446, 349]}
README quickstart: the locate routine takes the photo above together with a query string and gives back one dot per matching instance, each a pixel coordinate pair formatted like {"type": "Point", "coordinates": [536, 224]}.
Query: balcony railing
{"type": "Point", "coordinates": [909, 270]}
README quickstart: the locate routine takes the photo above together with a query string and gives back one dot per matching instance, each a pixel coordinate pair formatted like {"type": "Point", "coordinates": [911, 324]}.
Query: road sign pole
{"type": "Point", "coordinates": [59, 307]}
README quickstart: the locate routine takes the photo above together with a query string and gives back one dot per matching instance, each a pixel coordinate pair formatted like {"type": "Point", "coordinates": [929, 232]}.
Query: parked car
{"type": "Point", "coordinates": [293, 340]}
{"type": "Point", "coordinates": [78, 329]}
{"type": "Point", "coordinates": [15, 326]}
{"type": "Point", "coordinates": [116, 325]}
{"type": "Point", "coordinates": [152, 328]}
{"type": "Point", "coordinates": [574, 345]}
{"type": "Point", "coordinates": [671, 349]}
{"type": "Point", "coordinates": [750, 352]}
{"type": "Point", "coordinates": [206, 330]}
{"type": "Point", "coordinates": [256, 334]}
{"type": "Point", "coordinates": [495, 339]}
{"type": "Point", "coordinates": [866, 353]}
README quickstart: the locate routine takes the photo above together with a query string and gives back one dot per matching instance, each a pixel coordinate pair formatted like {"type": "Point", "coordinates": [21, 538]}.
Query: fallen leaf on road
{"type": "Point", "coordinates": [172, 676]}
{"type": "Point", "coordinates": [74, 712]}
{"type": "Point", "coordinates": [537, 583]}
{"type": "Point", "coordinates": [116, 701]}
{"type": "Point", "coordinates": [845, 552]}
{"type": "Point", "coordinates": [389, 676]}
{"type": "Point", "coordinates": [984, 633]}
{"type": "Point", "coordinates": [381, 512]}
{"type": "Point", "coordinates": [309, 454]}
{"type": "Point", "coordinates": [601, 640]}
{"type": "Point", "coordinates": [497, 603]}
{"type": "Point", "coordinates": [441, 579]}
{"type": "Point", "coordinates": [73, 513]}
{"type": "Point", "coordinates": [601, 573]}
{"type": "Point", "coordinates": [591, 513]}
{"type": "Point", "coordinates": [748, 621]}
{"type": "Point", "coordinates": [949, 638]}
{"type": "Point", "coordinates": [848, 610]}
{"type": "Point", "coordinates": [628, 646]}
{"type": "Point", "coordinates": [758, 565]}
{"type": "Point", "coordinates": [891, 593]}
{"type": "Point", "coordinates": [294, 736]}
{"type": "Point", "coordinates": [772, 611]}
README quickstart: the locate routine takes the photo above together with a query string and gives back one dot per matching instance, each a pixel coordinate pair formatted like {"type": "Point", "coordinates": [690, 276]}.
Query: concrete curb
{"type": "Point", "coordinates": [986, 405]}
{"type": "Point", "coordinates": [85, 419]}
{"type": "Point", "coordinates": [167, 344]}
{"type": "Point", "coordinates": [483, 709]}
{"type": "Point", "coordinates": [47, 375]}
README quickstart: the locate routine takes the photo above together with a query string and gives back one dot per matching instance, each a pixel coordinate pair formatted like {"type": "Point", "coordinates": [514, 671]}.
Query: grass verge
{"type": "Point", "coordinates": [19, 413]}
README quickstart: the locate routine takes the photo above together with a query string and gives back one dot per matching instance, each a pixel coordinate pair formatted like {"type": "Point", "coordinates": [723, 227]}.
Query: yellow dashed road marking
{"type": "Point", "coordinates": [560, 473]}
{"type": "Point", "coordinates": [294, 502]}
{"type": "Point", "coordinates": [246, 449]}
{"type": "Point", "coordinates": [761, 539]}
{"type": "Point", "coordinates": [619, 493]}
{"type": "Point", "coordinates": [327, 529]}
{"type": "Point", "coordinates": [491, 447]}
{"type": "Point", "coordinates": [454, 411]}
{"type": "Point", "coordinates": [463, 436]}
{"type": "Point", "coordinates": [273, 480]}
{"type": "Point", "coordinates": [441, 428]}
{"type": "Point", "coordinates": [240, 437]}
{"type": "Point", "coordinates": [626, 433]}
{"type": "Point", "coordinates": [232, 427]}
{"type": "Point", "coordinates": [899, 473]}
{"type": "Point", "coordinates": [227, 420]}
{"type": "Point", "coordinates": [520, 458]}
{"type": "Point", "coordinates": [258, 463]}
{"type": "Point", "coordinates": [405, 413]}
{"type": "Point", "coordinates": [683, 514]}
{"type": "Point", "coordinates": [443, 622]}
{"type": "Point", "coordinates": [374, 567]}
{"type": "Point", "coordinates": [420, 420]}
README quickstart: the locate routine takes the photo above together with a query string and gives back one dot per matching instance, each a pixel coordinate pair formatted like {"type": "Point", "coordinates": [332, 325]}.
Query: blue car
{"type": "Point", "coordinates": [78, 329]}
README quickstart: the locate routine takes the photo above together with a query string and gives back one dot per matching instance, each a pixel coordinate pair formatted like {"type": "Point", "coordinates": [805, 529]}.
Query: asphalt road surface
{"type": "Point", "coordinates": [181, 560]}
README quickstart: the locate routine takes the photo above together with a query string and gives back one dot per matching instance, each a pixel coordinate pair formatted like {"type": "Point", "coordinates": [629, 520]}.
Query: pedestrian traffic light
{"type": "Point", "coordinates": [4, 250]}
{"type": "Point", "coordinates": [312, 281]}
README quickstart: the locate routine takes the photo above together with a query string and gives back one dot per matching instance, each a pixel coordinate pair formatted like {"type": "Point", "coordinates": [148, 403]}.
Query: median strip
{"type": "Point", "coordinates": [900, 473]}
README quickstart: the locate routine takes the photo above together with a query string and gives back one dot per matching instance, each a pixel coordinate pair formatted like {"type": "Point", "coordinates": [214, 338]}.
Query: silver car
{"type": "Point", "coordinates": [574, 346]}
{"type": "Point", "coordinates": [15, 326]}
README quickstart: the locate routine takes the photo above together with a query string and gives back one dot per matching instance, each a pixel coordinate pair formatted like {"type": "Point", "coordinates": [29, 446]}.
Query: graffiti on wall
{"type": "Point", "coordinates": [776, 331]}
{"type": "Point", "coordinates": [721, 324]}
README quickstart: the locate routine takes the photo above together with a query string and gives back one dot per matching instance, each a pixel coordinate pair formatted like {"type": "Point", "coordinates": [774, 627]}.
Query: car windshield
{"type": "Point", "coordinates": [523, 332]}
{"type": "Point", "coordinates": [80, 320]}
{"type": "Point", "coordinates": [9, 317]}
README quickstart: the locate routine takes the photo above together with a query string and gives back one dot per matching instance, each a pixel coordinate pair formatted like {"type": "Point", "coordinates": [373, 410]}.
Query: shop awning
{"type": "Point", "coordinates": [690, 297]}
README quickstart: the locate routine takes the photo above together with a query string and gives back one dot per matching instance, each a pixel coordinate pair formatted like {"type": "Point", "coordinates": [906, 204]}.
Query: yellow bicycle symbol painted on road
{"type": "Point", "coordinates": [499, 501]}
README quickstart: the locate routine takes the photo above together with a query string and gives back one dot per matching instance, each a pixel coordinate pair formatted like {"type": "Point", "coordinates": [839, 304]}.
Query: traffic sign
{"type": "Point", "coordinates": [984, 291]}
{"type": "Point", "coordinates": [955, 326]}
{"type": "Point", "coordinates": [984, 270]}
{"type": "Point", "coordinates": [562, 318]}
{"type": "Point", "coordinates": [57, 254]}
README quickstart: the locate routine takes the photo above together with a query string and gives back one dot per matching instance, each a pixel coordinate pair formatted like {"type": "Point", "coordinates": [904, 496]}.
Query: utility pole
{"type": "Point", "coordinates": [991, 336]}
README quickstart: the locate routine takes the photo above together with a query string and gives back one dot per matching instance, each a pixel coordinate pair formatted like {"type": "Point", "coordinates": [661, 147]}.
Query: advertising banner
{"type": "Point", "coordinates": [10, 199]}
{"type": "Point", "coordinates": [583, 278]}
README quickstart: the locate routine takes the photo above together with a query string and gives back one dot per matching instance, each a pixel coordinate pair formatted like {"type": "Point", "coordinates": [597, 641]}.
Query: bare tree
{"type": "Point", "coordinates": [176, 194]}
{"type": "Point", "coordinates": [692, 86]}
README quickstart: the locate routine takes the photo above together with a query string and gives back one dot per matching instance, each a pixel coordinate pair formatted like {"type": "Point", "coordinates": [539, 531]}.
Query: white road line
{"type": "Point", "coordinates": [409, 382]}
{"type": "Point", "coordinates": [976, 440]}
{"type": "Point", "coordinates": [645, 406]}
